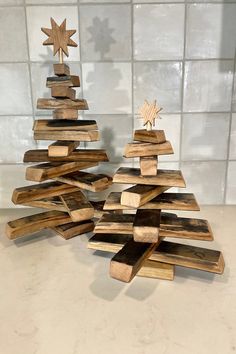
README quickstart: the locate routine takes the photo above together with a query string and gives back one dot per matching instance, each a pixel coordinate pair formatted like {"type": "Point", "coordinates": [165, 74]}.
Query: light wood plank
{"type": "Point", "coordinates": [146, 225]}
{"type": "Point", "coordinates": [77, 205]}
{"type": "Point", "coordinates": [51, 103]}
{"type": "Point", "coordinates": [150, 136]}
{"type": "Point", "coordinates": [64, 124]}
{"type": "Point", "coordinates": [65, 114]}
{"type": "Point", "coordinates": [148, 165]}
{"type": "Point", "coordinates": [73, 229]}
{"type": "Point", "coordinates": [140, 194]}
{"type": "Point", "coordinates": [51, 203]}
{"type": "Point", "coordinates": [157, 270]}
{"type": "Point", "coordinates": [91, 135]}
{"type": "Point", "coordinates": [62, 148]}
{"type": "Point", "coordinates": [61, 69]}
{"type": "Point", "coordinates": [147, 149]}
{"type": "Point", "coordinates": [69, 81]}
{"type": "Point", "coordinates": [63, 92]}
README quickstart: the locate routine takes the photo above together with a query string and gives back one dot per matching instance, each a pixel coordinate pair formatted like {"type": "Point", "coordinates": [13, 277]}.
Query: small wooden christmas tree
{"type": "Point", "coordinates": [69, 212]}
{"type": "Point", "coordinates": [138, 234]}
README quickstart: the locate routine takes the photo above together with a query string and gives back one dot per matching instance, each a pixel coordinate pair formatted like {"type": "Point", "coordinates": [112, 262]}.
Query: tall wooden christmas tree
{"type": "Point", "coordinates": [69, 212]}
{"type": "Point", "coordinates": [138, 234]}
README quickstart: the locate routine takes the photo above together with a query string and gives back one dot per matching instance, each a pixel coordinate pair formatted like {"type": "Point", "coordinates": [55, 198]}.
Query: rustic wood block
{"type": "Point", "coordinates": [44, 171]}
{"type": "Point", "coordinates": [77, 155]}
{"type": "Point", "coordinates": [87, 181]}
{"type": "Point", "coordinates": [51, 203]}
{"type": "Point", "coordinates": [65, 114]}
{"type": "Point", "coordinates": [78, 135]}
{"type": "Point", "coordinates": [33, 223]}
{"type": "Point", "coordinates": [147, 225]}
{"type": "Point", "coordinates": [77, 205]}
{"type": "Point", "coordinates": [39, 191]}
{"type": "Point", "coordinates": [147, 149]}
{"type": "Point", "coordinates": [61, 69]}
{"type": "Point", "coordinates": [140, 194]}
{"type": "Point", "coordinates": [128, 261]}
{"type": "Point", "coordinates": [115, 223]}
{"type": "Point", "coordinates": [51, 103]}
{"type": "Point", "coordinates": [73, 229]}
{"type": "Point", "coordinates": [171, 178]}
{"type": "Point", "coordinates": [63, 92]}
{"type": "Point", "coordinates": [62, 148]}
{"type": "Point", "coordinates": [62, 124]}
{"type": "Point", "coordinates": [148, 165]}
{"type": "Point", "coordinates": [69, 81]}
{"type": "Point", "coordinates": [157, 270]}
{"type": "Point", "coordinates": [150, 136]}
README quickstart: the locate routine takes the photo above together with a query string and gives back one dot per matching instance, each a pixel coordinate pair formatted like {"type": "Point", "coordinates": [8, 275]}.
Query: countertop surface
{"type": "Point", "coordinates": [56, 297]}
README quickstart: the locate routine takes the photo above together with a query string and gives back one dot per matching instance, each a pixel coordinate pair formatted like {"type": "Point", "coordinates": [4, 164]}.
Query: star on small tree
{"type": "Point", "coordinates": [149, 112]}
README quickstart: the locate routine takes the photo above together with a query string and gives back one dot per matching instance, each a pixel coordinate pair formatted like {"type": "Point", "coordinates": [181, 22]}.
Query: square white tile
{"type": "Point", "coordinates": [160, 81]}
{"type": "Point", "coordinates": [158, 31]}
{"type": "Point", "coordinates": [107, 87]}
{"type": "Point", "coordinates": [205, 136]}
{"type": "Point", "coordinates": [232, 150]}
{"type": "Point", "coordinates": [11, 2]}
{"type": "Point", "coordinates": [52, 2]}
{"type": "Point", "coordinates": [208, 85]}
{"type": "Point", "coordinates": [231, 183]}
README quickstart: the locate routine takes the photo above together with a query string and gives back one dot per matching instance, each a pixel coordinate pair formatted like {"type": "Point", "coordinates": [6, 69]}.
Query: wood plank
{"type": "Point", "coordinates": [65, 114]}
{"type": "Point", "coordinates": [150, 136]}
{"type": "Point", "coordinates": [97, 155]}
{"type": "Point", "coordinates": [51, 203]}
{"type": "Point", "coordinates": [33, 223]}
{"type": "Point", "coordinates": [92, 135]}
{"type": "Point", "coordinates": [62, 148]}
{"type": "Point", "coordinates": [77, 205]}
{"type": "Point", "coordinates": [51, 103]}
{"type": "Point", "coordinates": [171, 178]}
{"type": "Point", "coordinates": [87, 181]}
{"type": "Point", "coordinates": [63, 92]}
{"type": "Point", "coordinates": [128, 261]}
{"type": "Point", "coordinates": [157, 270]}
{"type": "Point", "coordinates": [61, 69]}
{"type": "Point", "coordinates": [148, 165]}
{"type": "Point", "coordinates": [166, 201]}
{"type": "Point", "coordinates": [39, 191]}
{"type": "Point", "coordinates": [140, 194]}
{"type": "Point", "coordinates": [69, 81]}
{"type": "Point", "coordinates": [148, 149]}
{"type": "Point", "coordinates": [44, 171]}
{"type": "Point", "coordinates": [73, 229]}
{"type": "Point", "coordinates": [147, 225]}
{"type": "Point", "coordinates": [63, 124]}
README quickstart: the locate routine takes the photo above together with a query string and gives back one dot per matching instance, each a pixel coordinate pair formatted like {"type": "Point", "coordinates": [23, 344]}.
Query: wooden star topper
{"type": "Point", "coordinates": [149, 112]}
{"type": "Point", "coordinates": [59, 37]}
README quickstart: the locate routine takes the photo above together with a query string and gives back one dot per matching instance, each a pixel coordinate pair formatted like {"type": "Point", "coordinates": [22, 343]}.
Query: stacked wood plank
{"type": "Point", "coordinates": [137, 235]}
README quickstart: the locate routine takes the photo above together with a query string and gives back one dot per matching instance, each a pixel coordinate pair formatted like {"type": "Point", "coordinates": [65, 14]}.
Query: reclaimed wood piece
{"type": "Point", "coordinates": [128, 261]}
{"type": "Point", "coordinates": [51, 103]}
{"type": "Point", "coordinates": [65, 114]}
{"type": "Point", "coordinates": [51, 203]}
{"type": "Point", "coordinates": [61, 69]}
{"type": "Point", "coordinates": [39, 191]}
{"type": "Point", "coordinates": [115, 223]}
{"type": "Point", "coordinates": [44, 171]}
{"type": "Point", "coordinates": [68, 81]}
{"type": "Point", "coordinates": [91, 135]}
{"type": "Point", "coordinates": [73, 229]}
{"type": "Point", "coordinates": [166, 201]}
{"type": "Point", "coordinates": [77, 205]}
{"type": "Point", "coordinates": [147, 225]}
{"type": "Point", "coordinates": [63, 92]}
{"type": "Point", "coordinates": [171, 178]}
{"type": "Point", "coordinates": [33, 223]}
{"type": "Point", "coordinates": [97, 155]}
{"type": "Point", "coordinates": [87, 181]}
{"type": "Point", "coordinates": [140, 194]}
{"type": "Point", "coordinates": [150, 136]}
{"type": "Point", "coordinates": [138, 149]}
{"type": "Point", "coordinates": [62, 148]}
{"type": "Point", "coordinates": [149, 112]}
{"type": "Point", "coordinates": [148, 165]}
{"type": "Point", "coordinates": [157, 270]}
{"type": "Point", "coordinates": [62, 124]}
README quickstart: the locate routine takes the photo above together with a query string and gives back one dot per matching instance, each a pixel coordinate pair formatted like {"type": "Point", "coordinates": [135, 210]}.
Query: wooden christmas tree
{"type": "Point", "coordinates": [138, 234]}
{"type": "Point", "coordinates": [69, 212]}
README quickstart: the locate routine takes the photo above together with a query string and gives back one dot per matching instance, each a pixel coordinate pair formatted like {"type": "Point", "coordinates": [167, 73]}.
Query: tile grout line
{"type": "Point", "coordinates": [132, 68]}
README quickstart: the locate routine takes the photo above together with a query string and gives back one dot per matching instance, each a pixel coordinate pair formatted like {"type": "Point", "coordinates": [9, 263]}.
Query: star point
{"type": "Point", "coordinates": [149, 112]}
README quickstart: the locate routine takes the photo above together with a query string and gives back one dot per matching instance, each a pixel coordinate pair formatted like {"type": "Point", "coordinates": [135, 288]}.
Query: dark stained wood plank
{"type": "Point", "coordinates": [62, 148]}
{"type": "Point", "coordinates": [147, 149]}
{"type": "Point", "coordinates": [148, 165]}
{"type": "Point", "coordinates": [140, 194]}
{"type": "Point", "coordinates": [64, 124]}
{"type": "Point", "coordinates": [65, 114]}
{"type": "Point", "coordinates": [150, 136]}
{"type": "Point", "coordinates": [51, 103]}
{"type": "Point", "coordinates": [115, 223]}
{"type": "Point", "coordinates": [77, 205]}
{"type": "Point", "coordinates": [51, 203]}
{"type": "Point", "coordinates": [147, 225]}
{"type": "Point", "coordinates": [61, 69]}
{"type": "Point", "coordinates": [63, 92]}
{"type": "Point", "coordinates": [69, 81]}
{"type": "Point", "coordinates": [91, 135]}
{"type": "Point", "coordinates": [73, 229]}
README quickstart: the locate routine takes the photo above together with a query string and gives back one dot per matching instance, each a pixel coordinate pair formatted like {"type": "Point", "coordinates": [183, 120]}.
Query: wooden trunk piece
{"type": "Point", "coordinates": [146, 225]}
{"type": "Point", "coordinates": [51, 203]}
{"type": "Point", "coordinates": [51, 103]}
{"type": "Point", "coordinates": [147, 149]}
{"type": "Point", "coordinates": [148, 165]}
{"type": "Point", "coordinates": [33, 223]}
{"type": "Point", "coordinates": [157, 270]}
{"type": "Point", "coordinates": [77, 206]}
{"type": "Point", "coordinates": [150, 136]}
{"type": "Point", "coordinates": [73, 229]}
{"type": "Point", "coordinates": [61, 69]}
{"type": "Point", "coordinates": [171, 178]}
{"type": "Point", "coordinates": [128, 261]}
{"type": "Point", "coordinates": [44, 171]}
{"type": "Point", "coordinates": [39, 191]}
{"type": "Point", "coordinates": [69, 81]}
{"type": "Point", "coordinates": [62, 148]}
{"type": "Point", "coordinates": [140, 194]}
{"type": "Point", "coordinates": [63, 92]}
{"type": "Point", "coordinates": [62, 124]}
{"type": "Point", "coordinates": [65, 114]}
{"type": "Point", "coordinates": [91, 135]}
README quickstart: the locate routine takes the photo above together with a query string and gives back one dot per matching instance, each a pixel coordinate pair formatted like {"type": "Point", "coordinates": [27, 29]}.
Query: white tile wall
{"type": "Point", "coordinates": [231, 183]}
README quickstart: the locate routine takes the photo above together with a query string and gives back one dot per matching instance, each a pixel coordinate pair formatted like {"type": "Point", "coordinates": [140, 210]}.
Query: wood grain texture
{"type": "Point", "coordinates": [76, 155]}
{"type": "Point", "coordinates": [33, 223]}
{"type": "Point", "coordinates": [148, 165]}
{"type": "Point", "coordinates": [50, 203]}
{"type": "Point", "coordinates": [63, 124]}
{"type": "Point", "coordinates": [44, 171]}
{"type": "Point", "coordinates": [61, 69]}
{"type": "Point", "coordinates": [65, 114]}
{"type": "Point", "coordinates": [147, 149]}
{"type": "Point", "coordinates": [157, 270]}
{"type": "Point", "coordinates": [73, 229]}
{"type": "Point", "coordinates": [63, 92]}
{"type": "Point", "coordinates": [147, 225]}
{"type": "Point", "coordinates": [171, 178]}
{"type": "Point", "coordinates": [128, 261]}
{"type": "Point", "coordinates": [92, 135]}
{"type": "Point", "coordinates": [150, 136]}
{"type": "Point", "coordinates": [77, 205]}
{"type": "Point", "coordinates": [39, 191]}
{"type": "Point", "coordinates": [139, 194]}
{"type": "Point", "coordinates": [69, 81]}
{"type": "Point", "coordinates": [62, 148]}
{"type": "Point", "coordinates": [51, 103]}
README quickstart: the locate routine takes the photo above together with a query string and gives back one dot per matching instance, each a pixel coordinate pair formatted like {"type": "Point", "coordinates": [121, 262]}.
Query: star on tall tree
{"type": "Point", "coordinates": [59, 37]}
{"type": "Point", "coordinates": [149, 112]}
